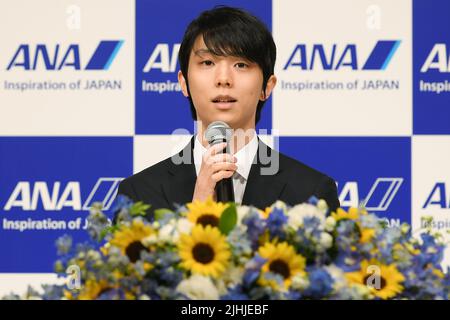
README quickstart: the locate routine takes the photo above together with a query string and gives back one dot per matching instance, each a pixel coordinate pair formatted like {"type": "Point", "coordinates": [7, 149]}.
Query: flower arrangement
{"type": "Point", "coordinates": [210, 250]}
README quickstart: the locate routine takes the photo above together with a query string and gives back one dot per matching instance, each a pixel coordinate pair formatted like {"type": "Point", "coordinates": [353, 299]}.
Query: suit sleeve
{"type": "Point", "coordinates": [327, 190]}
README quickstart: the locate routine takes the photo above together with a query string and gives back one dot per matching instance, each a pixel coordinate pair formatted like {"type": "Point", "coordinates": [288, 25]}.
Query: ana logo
{"type": "Point", "coordinates": [437, 59]}
{"type": "Point", "coordinates": [437, 197]}
{"type": "Point", "coordinates": [59, 57]}
{"type": "Point", "coordinates": [162, 58]}
{"type": "Point", "coordinates": [338, 57]}
{"type": "Point", "coordinates": [379, 197]}
{"type": "Point", "coordinates": [27, 196]}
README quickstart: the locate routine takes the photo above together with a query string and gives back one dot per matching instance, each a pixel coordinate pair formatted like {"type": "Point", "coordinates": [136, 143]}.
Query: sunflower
{"type": "Point", "coordinates": [205, 251]}
{"type": "Point", "coordinates": [389, 281]}
{"type": "Point", "coordinates": [206, 212]}
{"type": "Point", "coordinates": [283, 260]}
{"type": "Point", "coordinates": [129, 239]}
{"type": "Point", "coordinates": [352, 214]}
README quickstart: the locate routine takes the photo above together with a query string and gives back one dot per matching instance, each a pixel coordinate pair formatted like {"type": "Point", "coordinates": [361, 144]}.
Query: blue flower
{"type": "Point", "coordinates": [313, 200]}
{"type": "Point", "coordinates": [348, 261]}
{"type": "Point", "coordinates": [121, 202]}
{"type": "Point", "coordinates": [276, 223]}
{"type": "Point", "coordinates": [255, 228]}
{"type": "Point", "coordinates": [430, 252]}
{"type": "Point", "coordinates": [321, 283]}
{"type": "Point", "coordinates": [347, 234]}
{"type": "Point", "coordinates": [235, 293]}
{"type": "Point", "coordinates": [112, 294]}
{"type": "Point", "coordinates": [239, 242]}
{"type": "Point", "coordinates": [163, 268]}
{"type": "Point", "coordinates": [253, 270]}
{"type": "Point", "coordinates": [293, 295]}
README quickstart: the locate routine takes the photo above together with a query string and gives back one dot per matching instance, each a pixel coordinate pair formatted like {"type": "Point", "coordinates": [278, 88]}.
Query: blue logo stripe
{"type": "Point", "coordinates": [113, 55]}
{"type": "Point", "coordinates": [391, 54]}
{"type": "Point", "coordinates": [381, 55]}
{"type": "Point", "coordinates": [104, 55]}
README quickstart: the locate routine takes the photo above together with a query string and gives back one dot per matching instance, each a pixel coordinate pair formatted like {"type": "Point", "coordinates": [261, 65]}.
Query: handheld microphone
{"type": "Point", "coordinates": [218, 132]}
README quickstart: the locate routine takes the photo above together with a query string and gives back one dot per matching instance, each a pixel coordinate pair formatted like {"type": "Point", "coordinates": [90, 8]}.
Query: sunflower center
{"type": "Point", "coordinates": [374, 285]}
{"type": "Point", "coordinates": [280, 267]}
{"type": "Point", "coordinates": [133, 251]}
{"type": "Point", "coordinates": [203, 253]}
{"type": "Point", "coordinates": [208, 219]}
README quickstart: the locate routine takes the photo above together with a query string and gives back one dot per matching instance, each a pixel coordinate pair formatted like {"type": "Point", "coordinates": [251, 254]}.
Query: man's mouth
{"type": "Point", "coordinates": [223, 99]}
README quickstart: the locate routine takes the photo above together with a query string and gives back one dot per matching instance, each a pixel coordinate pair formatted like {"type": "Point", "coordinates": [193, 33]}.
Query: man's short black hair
{"type": "Point", "coordinates": [230, 31]}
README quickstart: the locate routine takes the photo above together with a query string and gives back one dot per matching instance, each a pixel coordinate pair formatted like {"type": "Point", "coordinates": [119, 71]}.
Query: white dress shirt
{"type": "Point", "coordinates": [244, 162]}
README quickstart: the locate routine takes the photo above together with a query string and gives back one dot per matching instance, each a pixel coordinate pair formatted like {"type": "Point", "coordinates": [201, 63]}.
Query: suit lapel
{"type": "Point", "coordinates": [182, 176]}
{"type": "Point", "coordinates": [262, 190]}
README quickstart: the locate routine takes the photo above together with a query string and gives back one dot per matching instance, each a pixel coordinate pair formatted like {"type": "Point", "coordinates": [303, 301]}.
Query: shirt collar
{"type": "Point", "coordinates": [244, 156]}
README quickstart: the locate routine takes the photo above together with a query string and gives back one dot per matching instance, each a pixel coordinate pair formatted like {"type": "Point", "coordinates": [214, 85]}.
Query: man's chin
{"type": "Point", "coordinates": [227, 119]}
{"type": "Point", "coordinates": [230, 119]}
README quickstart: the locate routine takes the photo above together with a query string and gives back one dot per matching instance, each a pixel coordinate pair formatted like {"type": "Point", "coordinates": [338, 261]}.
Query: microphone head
{"type": "Point", "coordinates": [217, 132]}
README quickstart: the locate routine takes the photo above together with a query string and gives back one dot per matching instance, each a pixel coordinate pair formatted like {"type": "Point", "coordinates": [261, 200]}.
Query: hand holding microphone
{"type": "Point", "coordinates": [214, 178]}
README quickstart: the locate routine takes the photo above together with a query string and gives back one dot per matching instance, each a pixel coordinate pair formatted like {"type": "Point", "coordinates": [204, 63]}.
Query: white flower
{"type": "Point", "coordinates": [150, 240]}
{"type": "Point", "coordinates": [298, 213]}
{"type": "Point", "coordinates": [232, 276]}
{"type": "Point", "coordinates": [184, 225]}
{"type": "Point", "coordinates": [300, 282]}
{"type": "Point", "coordinates": [363, 292]}
{"type": "Point", "coordinates": [94, 255]}
{"type": "Point", "coordinates": [335, 272]}
{"type": "Point", "coordinates": [166, 233]}
{"type": "Point", "coordinates": [171, 231]}
{"type": "Point", "coordinates": [198, 287]}
{"type": "Point", "coordinates": [279, 205]}
{"type": "Point", "coordinates": [242, 211]}
{"type": "Point", "coordinates": [330, 223]}
{"type": "Point", "coordinates": [339, 280]}
{"type": "Point", "coordinates": [322, 206]}
{"type": "Point", "coordinates": [325, 241]}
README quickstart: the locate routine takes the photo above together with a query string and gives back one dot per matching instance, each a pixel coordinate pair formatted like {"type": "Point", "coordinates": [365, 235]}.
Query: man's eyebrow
{"type": "Point", "coordinates": [206, 51]}
{"type": "Point", "coordinates": [200, 52]}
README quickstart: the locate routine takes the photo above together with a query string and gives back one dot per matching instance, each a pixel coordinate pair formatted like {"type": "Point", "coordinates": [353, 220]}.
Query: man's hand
{"type": "Point", "coordinates": [215, 167]}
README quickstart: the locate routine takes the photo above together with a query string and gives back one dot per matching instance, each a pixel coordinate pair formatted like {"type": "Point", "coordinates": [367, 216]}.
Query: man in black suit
{"type": "Point", "coordinates": [227, 60]}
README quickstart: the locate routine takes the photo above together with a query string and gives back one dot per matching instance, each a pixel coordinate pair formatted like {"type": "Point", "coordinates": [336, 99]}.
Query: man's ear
{"type": "Point", "coordinates": [269, 87]}
{"type": "Point", "coordinates": [182, 82]}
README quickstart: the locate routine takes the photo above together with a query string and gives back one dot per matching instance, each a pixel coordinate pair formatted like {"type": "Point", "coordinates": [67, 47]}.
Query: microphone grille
{"type": "Point", "coordinates": [217, 131]}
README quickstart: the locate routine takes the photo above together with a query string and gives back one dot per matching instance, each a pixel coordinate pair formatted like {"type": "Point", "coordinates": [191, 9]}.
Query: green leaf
{"type": "Point", "coordinates": [139, 209]}
{"type": "Point", "coordinates": [228, 219]}
{"type": "Point", "coordinates": [107, 230]}
{"type": "Point", "coordinates": [160, 213]}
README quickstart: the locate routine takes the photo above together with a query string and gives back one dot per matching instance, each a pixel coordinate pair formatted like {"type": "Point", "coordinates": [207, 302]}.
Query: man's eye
{"type": "Point", "coordinates": [207, 63]}
{"type": "Point", "coordinates": [241, 65]}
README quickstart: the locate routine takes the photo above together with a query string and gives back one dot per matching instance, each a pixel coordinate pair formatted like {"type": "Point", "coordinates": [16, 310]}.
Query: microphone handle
{"type": "Point", "coordinates": [224, 188]}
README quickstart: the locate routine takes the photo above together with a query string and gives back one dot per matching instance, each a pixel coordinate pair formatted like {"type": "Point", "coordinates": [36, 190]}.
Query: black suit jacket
{"type": "Point", "coordinates": [166, 183]}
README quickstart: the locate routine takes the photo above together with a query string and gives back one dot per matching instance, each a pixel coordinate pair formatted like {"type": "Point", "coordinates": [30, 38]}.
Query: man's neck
{"type": "Point", "coordinates": [240, 138]}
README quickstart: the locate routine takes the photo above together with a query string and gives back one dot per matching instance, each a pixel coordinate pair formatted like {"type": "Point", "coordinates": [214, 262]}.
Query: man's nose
{"type": "Point", "coordinates": [224, 77]}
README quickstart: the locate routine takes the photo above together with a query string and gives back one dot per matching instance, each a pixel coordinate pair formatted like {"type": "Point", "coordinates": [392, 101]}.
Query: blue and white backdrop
{"type": "Point", "coordinates": [89, 95]}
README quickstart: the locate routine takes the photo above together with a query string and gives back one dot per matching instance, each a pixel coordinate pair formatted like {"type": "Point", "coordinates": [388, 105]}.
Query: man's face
{"type": "Point", "coordinates": [224, 88]}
